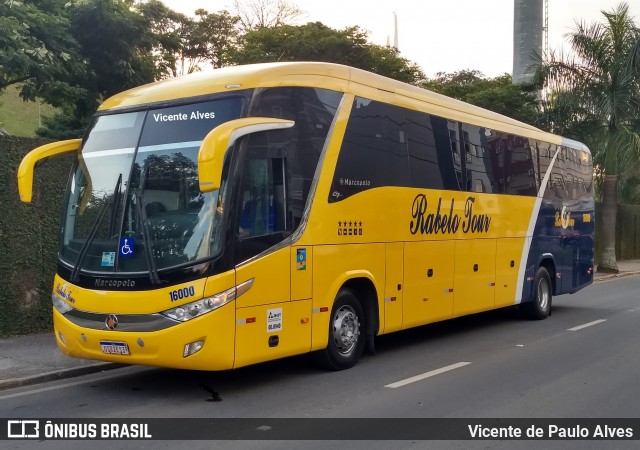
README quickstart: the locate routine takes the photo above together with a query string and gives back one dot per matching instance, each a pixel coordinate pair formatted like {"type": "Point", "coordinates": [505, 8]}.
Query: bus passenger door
{"type": "Point", "coordinates": [428, 282]}
{"type": "Point", "coordinates": [268, 324]}
{"type": "Point", "coordinates": [474, 276]}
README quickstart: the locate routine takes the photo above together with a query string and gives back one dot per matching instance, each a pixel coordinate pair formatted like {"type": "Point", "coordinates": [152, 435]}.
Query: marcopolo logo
{"type": "Point", "coordinates": [105, 283]}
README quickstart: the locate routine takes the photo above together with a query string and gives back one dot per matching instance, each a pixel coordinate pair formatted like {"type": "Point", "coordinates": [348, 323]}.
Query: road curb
{"type": "Point", "coordinates": [614, 276]}
{"type": "Point", "coordinates": [58, 375]}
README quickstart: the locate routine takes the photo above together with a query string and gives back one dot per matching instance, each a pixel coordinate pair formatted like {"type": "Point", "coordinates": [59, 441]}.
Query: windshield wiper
{"type": "Point", "coordinates": [142, 214]}
{"type": "Point", "coordinates": [94, 230]}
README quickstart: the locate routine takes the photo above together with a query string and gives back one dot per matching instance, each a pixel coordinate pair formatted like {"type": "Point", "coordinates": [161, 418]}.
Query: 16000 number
{"type": "Point", "coordinates": [179, 294]}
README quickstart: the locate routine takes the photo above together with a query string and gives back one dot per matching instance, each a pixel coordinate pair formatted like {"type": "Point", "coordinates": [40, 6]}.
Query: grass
{"type": "Point", "coordinates": [20, 118]}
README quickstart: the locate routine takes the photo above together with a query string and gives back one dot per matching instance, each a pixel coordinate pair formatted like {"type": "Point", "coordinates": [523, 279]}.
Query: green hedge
{"type": "Point", "coordinates": [28, 238]}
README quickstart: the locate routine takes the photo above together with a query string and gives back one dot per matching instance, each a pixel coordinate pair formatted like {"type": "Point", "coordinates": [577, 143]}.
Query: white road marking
{"type": "Point", "coordinates": [580, 327]}
{"type": "Point", "coordinates": [422, 376]}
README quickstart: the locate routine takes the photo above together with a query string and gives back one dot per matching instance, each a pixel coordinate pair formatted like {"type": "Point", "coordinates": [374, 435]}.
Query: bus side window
{"type": "Point", "coordinates": [480, 161]}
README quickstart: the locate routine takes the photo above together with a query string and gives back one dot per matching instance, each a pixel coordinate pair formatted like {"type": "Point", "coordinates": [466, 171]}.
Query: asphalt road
{"type": "Point", "coordinates": [582, 362]}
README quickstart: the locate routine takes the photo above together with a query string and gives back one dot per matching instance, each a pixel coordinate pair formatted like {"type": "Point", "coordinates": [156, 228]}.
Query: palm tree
{"type": "Point", "coordinates": [595, 97]}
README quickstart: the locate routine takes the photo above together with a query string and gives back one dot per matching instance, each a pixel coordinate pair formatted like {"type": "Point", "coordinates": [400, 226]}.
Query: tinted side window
{"type": "Point", "coordinates": [578, 173]}
{"type": "Point", "coordinates": [586, 170]}
{"type": "Point", "coordinates": [556, 187]}
{"type": "Point", "coordinates": [571, 173]}
{"type": "Point", "coordinates": [432, 158]}
{"type": "Point", "coordinates": [478, 159]}
{"type": "Point", "coordinates": [515, 170]}
{"type": "Point", "coordinates": [424, 170]}
{"type": "Point", "coordinates": [374, 151]}
{"type": "Point", "coordinates": [386, 145]}
{"type": "Point", "coordinates": [454, 147]}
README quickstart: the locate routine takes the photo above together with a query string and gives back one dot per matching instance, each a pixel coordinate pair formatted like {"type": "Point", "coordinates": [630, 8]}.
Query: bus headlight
{"type": "Point", "coordinates": [200, 307]}
{"type": "Point", "coordinates": [59, 304]}
{"type": "Point", "coordinates": [192, 310]}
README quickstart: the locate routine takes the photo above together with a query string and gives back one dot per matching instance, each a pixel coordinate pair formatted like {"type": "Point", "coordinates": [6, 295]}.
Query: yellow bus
{"type": "Point", "coordinates": [251, 213]}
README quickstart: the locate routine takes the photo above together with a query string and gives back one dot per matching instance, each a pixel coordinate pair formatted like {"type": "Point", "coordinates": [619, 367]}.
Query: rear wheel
{"type": "Point", "coordinates": [346, 333]}
{"type": "Point", "coordinates": [540, 307]}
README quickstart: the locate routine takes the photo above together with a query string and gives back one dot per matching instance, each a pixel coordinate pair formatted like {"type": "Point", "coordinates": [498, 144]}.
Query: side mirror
{"type": "Point", "coordinates": [215, 145]}
{"type": "Point", "coordinates": [28, 163]}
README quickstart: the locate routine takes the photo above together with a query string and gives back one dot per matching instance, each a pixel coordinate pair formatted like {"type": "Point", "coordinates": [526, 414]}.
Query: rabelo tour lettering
{"type": "Point", "coordinates": [444, 220]}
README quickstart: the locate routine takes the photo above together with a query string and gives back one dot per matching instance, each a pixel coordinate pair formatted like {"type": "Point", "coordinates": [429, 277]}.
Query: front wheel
{"type": "Point", "coordinates": [346, 333]}
{"type": "Point", "coordinates": [540, 307]}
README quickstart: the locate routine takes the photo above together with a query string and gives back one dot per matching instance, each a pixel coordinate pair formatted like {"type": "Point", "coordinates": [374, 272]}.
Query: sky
{"type": "Point", "coordinates": [439, 35]}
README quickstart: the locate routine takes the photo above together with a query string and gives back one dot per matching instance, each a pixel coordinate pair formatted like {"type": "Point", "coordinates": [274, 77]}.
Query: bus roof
{"type": "Point", "coordinates": [317, 74]}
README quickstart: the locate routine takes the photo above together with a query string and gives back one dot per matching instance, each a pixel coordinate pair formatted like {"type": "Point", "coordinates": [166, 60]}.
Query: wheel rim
{"type": "Point", "coordinates": [543, 294]}
{"type": "Point", "coordinates": [346, 329]}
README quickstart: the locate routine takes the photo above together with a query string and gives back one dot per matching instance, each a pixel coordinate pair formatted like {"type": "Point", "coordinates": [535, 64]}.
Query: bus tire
{"type": "Point", "coordinates": [540, 307]}
{"type": "Point", "coordinates": [347, 336]}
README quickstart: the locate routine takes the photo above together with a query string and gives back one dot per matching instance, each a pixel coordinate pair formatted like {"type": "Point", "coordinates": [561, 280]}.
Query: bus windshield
{"type": "Point", "coordinates": [133, 202]}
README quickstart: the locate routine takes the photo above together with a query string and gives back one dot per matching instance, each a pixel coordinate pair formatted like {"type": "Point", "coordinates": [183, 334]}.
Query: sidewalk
{"type": "Point", "coordinates": [33, 359]}
{"type": "Point", "coordinates": [36, 359]}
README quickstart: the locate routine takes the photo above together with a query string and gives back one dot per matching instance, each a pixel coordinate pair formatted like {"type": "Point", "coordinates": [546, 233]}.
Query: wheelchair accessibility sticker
{"type": "Point", "coordinates": [127, 246]}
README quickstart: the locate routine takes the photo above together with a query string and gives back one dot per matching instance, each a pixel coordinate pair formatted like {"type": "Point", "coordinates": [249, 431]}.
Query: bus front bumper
{"type": "Point", "coordinates": [169, 347]}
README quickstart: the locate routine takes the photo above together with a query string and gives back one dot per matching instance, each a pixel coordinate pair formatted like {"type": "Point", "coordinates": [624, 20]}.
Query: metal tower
{"type": "Point", "coordinates": [545, 29]}
{"type": "Point", "coordinates": [528, 28]}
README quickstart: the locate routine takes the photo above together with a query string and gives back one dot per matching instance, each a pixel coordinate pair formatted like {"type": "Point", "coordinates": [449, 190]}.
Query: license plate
{"type": "Point", "coordinates": [114, 348]}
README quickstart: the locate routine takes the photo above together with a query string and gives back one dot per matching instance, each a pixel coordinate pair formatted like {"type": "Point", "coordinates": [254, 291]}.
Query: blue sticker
{"type": "Point", "coordinates": [108, 259]}
{"type": "Point", "coordinates": [301, 258]}
{"type": "Point", "coordinates": [127, 246]}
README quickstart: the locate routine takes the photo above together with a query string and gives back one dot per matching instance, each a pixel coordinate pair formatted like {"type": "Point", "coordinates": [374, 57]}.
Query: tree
{"type": "Point", "coordinates": [317, 42]}
{"type": "Point", "coordinates": [602, 78]}
{"type": "Point", "coordinates": [115, 46]}
{"type": "Point", "coordinates": [183, 44]}
{"type": "Point", "coordinates": [498, 94]}
{"type": "Point", "coordinates": [215, 37]}
{"type": "Point", "coordinates": [170, 32]}
{"type": "Point", "coordinates": [73, 55]}
{"type": "Point", "coordinates": [37, 51]}
{"type": "Point", "coordinates": [257, 14]}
